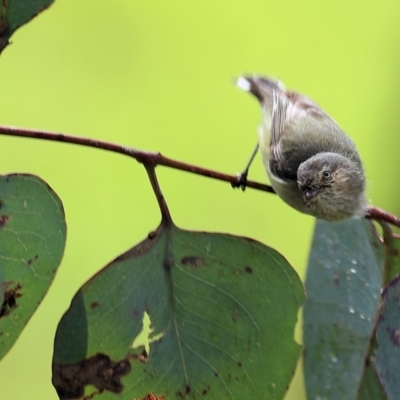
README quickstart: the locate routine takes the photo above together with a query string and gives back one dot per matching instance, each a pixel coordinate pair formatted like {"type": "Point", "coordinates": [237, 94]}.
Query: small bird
{"type": "Point", "coordinates": [312, 164]}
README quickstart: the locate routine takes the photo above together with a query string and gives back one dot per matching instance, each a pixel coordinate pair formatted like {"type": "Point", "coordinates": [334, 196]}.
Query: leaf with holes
{"type": "Point", "coordinates": [15, 13]}
{"type": "Point", "coordinates": [32, 241]}
{"type": "Point", "coordinates": [343, 293]}
{"type": "Point", "coordinates": [222, 311]}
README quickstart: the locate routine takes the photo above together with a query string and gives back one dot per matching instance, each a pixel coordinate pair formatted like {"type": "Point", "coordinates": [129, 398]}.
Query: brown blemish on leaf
{"type": "Point", "coordinates": [94, 304]}
{"type": "Point", "coordinates": [169, 262]}
{"type": "Point", "coordinates": [153, 373]}
{"type": "Point", "coordinates": [9, 299]}
{"type": "Point", "coordinates": [188, 389]}
{"type": "Point", "coordinates": [135, 312]}
{"type": "Point", "coordinates": [3, 28]}
{"type": "Point", "coordinates": [336, 279]}
{"type": "Point", "coordinates": [192, 261]}
{"type": "Point", "coordinates": [150, 396]}
{"type": "Point", "coordinates": [4, 219]}
{"type": "Point", "coordinates": [248, 269]}
{"type": "Point", "coordinates": [205, 391]}
{"type": "Point", "coordinates": [143, 357]}
{"type": "Point", "coordinates": [152, 235]}
{"type": "Point", "coordinates": [394, 335]}
{"type": "Point", "coordinates": [1, 203]}
{"type": "Point", "coordinates": [31, 260]}
{"type": "Point", "coordinates": [235, 315]}
{"type": "Point", "coordinates": [99, 370]}
{"type": "Point", "coordinates": [239, 364]}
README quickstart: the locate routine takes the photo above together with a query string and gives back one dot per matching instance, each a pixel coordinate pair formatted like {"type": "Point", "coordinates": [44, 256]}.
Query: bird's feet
{"type": "Point", "coordinates": [241, 181]}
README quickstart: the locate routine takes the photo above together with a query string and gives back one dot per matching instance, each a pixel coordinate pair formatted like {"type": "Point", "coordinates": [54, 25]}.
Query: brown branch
{"type": "Point", "coordinates": [151, 172]}
{"type": "Point", "coordinates": [144, 157]}
{"type": "Point", "coordinates": [381, 215]}
{"type": "Point", "coordinates": [151, 159]}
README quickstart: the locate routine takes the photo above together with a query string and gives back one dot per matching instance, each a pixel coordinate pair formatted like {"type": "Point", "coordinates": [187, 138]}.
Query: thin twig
{"type": "Point", "coordinates": [166, 216]}
{"type": "Point", "coordinates": [144, 157]}
{"type": "Point", "coordinates": [381, 215]}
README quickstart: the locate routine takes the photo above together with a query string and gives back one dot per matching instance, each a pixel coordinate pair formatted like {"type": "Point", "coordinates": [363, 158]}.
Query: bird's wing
{"type": "Point", "coordinates": [290, 131]}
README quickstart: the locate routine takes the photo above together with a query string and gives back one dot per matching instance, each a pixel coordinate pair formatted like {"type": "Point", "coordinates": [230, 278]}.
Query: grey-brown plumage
{"type": "Point", "coordinates": [312, 164]}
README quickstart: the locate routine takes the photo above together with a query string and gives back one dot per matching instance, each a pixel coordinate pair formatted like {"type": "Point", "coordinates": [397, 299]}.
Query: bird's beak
{"type": "Point", "coordinates": [311, 193]}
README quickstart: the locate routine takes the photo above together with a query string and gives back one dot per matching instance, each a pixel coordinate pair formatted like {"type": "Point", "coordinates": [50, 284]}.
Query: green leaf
{"type": "Point", "coordinates": [387, 363]}
{"type": "Point", "coordinates": [32, 241]}
{"type": "Point", "coordinates": [343, 289]}
{"type": "Point", "coordinates": [392, 254]}
{"type": "Point", "coordinates": [15, 13]}
{"type": "Point", "coordinates": [222, 311]}
{"type": "Point", "coordinates": [370, 388]}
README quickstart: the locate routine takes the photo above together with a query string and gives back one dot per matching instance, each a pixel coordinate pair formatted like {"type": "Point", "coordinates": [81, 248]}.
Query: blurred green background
{"type": "Point", "coordinates": [158, 76]}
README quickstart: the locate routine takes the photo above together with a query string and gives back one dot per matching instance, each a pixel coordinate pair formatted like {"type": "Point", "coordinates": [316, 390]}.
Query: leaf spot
{"type": "Point", "coordinates": [152, 235]}
{"type": "Point", "coordinates": [135, 312]}
{"type": "Point", "coordinates": [169, 262]}
{"type": "Point", "coordinates": [150, 396]}
{"type": "Point", "coordinates": [235, 315]}
{"type": "Point", "coordinates": [4, 219]}
{"type": "Point", "coordinates": [94, 304]}
{"type": "Point", "coordinates": [31, 260]}
{"type": "Point", "coordinates": [9, 300]}
{"type": "Point", "coordinates": [192, 261]}
{"type": "Point", "coordinates": [3, 28]}
{"type": "Point", "coordinates": [336, 279]}
{"type": "Point", "coordinates": [394, 335]}
{"type": "Point", "coordinates": [98, 370]}
{"type": "Point", "coordinates": [248, 269]}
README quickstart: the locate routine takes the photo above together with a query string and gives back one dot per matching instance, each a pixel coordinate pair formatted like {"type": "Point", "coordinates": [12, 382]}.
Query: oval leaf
{"type": "Point", "coordinates": [32, 241]}
{"type": "Point", "coordinates": [222, 311]}
{"type": "Point", "coordinates": [343, 292]}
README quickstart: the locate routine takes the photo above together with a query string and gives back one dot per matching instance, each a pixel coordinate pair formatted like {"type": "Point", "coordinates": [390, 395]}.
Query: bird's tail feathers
{"type": "Point", "coordinates": [262, 88]}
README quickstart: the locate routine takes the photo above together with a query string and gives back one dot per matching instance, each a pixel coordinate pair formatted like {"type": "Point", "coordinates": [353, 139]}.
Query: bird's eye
{"type": "Point", "coordinates": [326, 175]}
